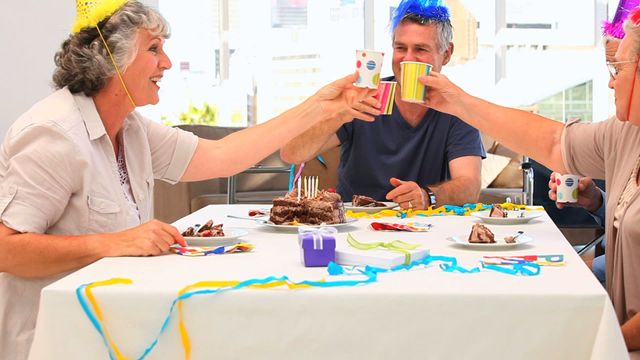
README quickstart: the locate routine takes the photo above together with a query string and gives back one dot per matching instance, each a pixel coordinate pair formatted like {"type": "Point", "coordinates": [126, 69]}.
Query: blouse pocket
{"type": "Point", "coordinates": [103, 214]}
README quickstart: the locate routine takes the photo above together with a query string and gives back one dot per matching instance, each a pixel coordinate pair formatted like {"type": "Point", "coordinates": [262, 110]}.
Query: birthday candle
{"type": "Point", "coordinates": [311, 187]}
{"type": "Point", "coordinates": [306, 187]}
{"type": "Point", "coordinates": [299, 189]}
{"type": "Point", "coordinates": [311, 194]}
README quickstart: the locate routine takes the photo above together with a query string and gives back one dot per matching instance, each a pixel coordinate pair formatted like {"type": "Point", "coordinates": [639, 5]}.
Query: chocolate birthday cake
{"type": "Point", "coordinates": [481, 234]}
{"type": "Point", "coordinates": [325, 208]}
{"type": "Point", "coordinates": [365, 201]}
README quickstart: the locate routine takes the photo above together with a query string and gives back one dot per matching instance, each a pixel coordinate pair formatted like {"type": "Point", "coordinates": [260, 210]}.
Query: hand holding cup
{"type": "Point", "coordinates": [562, 188]}
{"type": "Point", "coordinates": [412, 90]}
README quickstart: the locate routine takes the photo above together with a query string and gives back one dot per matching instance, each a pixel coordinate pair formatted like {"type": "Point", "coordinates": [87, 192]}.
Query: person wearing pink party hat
{"type": "Point", "coordinates": [608, 149]}
{"type": "Point", "coordinates": [590, 197]}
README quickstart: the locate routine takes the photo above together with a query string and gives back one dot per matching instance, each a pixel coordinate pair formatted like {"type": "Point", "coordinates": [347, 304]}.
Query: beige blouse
{"type": "Point", "coordinates": [59, 175]}
{"type": "Point", "coordinates": [610, 150]}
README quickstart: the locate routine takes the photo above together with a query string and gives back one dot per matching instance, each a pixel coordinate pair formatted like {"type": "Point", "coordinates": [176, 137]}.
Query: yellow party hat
{"type": "Point", "coordinates": [91, 12]}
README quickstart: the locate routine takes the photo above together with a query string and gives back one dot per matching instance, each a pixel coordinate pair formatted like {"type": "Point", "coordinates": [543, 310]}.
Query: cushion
{"type": "Point", "coordinates": [511, 175]}
{"type": "Point", "coordinates": [492, 166]}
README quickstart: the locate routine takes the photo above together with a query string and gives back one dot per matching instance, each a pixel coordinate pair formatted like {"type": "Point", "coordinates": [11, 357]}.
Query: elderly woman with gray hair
{"type": "Point", "coordinates": [77, 169]}
{"type": "Point", "coordinates": [607, 150]}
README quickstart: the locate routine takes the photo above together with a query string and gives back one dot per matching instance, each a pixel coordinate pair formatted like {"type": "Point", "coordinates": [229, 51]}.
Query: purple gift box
{"type": "Point", "coordinates": [317, 245]}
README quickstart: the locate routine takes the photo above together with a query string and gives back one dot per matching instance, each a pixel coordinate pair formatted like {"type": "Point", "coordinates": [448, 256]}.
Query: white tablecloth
{"type": "Point", "coordinates": [563, 313]}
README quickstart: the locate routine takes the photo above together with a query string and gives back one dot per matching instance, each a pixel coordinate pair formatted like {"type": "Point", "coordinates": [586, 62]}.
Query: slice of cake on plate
{"type": "Point", "coordinates": [365, 201]}
{"type": "Point", "coordinates": [481, 234]}
{"type": "Point", "coordinates": [497, 211]}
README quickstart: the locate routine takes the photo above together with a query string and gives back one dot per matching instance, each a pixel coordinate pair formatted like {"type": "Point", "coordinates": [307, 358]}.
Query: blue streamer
{"type": "Point", "coordinates": [291, 175]}
{"type": "Point", "coordinates": [524, 269]}
{"type": "Point", "coordinates": [322, 161]}
{"type": "Point", "coordinates": [371, 277]}
{"type": "Point", "coordinates": [447, 264]}
{"type": "Point", "coordinates": [92, 317]}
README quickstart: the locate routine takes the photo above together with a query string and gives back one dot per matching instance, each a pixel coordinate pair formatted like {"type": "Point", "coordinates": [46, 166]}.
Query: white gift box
{"type": "Point", "coordinates": [381, 258]}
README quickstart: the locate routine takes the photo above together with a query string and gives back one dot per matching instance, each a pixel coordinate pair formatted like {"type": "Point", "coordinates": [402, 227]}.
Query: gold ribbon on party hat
{"type": "Point", "coordinates": [396, 245]}
{"type": "Point", "coordinates": [89, 13]}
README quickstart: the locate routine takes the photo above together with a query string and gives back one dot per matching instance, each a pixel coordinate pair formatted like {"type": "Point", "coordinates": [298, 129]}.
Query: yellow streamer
{"type": "Point", "coordinates": [433, 211]}
{"type": "Point", "coordinates": [98, 312]}
{"type": "Point", "coordinates": [184, 334]}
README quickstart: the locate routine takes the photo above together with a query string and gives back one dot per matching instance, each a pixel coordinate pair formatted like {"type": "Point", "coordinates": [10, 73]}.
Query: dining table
{"type": "Point", "coordinates": [266, 304]}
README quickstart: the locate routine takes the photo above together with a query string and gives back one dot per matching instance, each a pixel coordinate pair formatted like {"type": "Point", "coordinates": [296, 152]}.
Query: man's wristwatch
{"type": "Point", "coordinates": [431, 194]}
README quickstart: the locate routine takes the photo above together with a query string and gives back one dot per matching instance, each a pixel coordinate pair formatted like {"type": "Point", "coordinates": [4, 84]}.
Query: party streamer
{"type": "Point", "coordinates": [464, 210]}
{"type": "Point", "coordinates": [365, 275]}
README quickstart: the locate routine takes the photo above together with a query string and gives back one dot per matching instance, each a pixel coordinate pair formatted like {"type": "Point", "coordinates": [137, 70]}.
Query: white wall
{"type": "Point", "coordinates": [31, 31]}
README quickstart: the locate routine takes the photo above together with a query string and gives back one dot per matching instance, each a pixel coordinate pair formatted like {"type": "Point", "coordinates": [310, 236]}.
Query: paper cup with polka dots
{"type": "Point", "coordinates": [567, 188]}
{"type": "Point", "coordinates": [412, 90]}
{"type": "Point", "coordinates": [369, 65]}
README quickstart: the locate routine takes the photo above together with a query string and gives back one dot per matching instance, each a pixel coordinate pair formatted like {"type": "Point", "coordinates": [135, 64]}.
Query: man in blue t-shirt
{"type": "Point", "coordinates": [416, 157]}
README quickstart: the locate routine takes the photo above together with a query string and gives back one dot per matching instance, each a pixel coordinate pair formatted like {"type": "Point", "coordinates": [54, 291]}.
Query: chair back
{"type": "Point", "coordinates": [172, 202]}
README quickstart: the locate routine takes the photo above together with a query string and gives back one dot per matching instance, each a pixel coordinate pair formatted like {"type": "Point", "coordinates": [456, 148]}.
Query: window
{"type": "Point", "coordinates": [572, 103]}
{"type": "Point", "coordinates": [289, 13]}
{"type": "Point", "coordinates": [249, 60]}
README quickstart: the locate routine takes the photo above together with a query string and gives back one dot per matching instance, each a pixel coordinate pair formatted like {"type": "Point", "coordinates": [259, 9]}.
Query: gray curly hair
{"type": "Point", "coordinates": [83, 63]}
{"type": "Point", "coordinates": [632, 31]}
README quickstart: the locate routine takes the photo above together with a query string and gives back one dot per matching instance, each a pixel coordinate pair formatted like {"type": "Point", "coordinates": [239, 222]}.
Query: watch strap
{"type": "Point", "coordinates": [432, 196]}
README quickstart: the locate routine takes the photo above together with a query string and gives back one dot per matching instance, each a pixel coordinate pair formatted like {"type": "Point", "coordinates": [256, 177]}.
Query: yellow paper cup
{"type": "Point", "coordinates": [411, 90]}
{"type": "Point", "coordinates": [369, 65]}
{"type": "Point", "coordinates": [386, 95]}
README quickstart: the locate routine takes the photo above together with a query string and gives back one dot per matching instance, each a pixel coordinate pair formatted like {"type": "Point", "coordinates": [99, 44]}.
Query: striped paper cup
{"type": "Point", "coordinates": [386, 95]}
{"type": "Point", "coordinates": [411, 90]}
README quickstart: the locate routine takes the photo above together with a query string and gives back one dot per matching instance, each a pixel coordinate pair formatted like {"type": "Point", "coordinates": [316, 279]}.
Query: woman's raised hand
{"type": "Point", "coordinates": [442, 94]}
{"type": "Point", "coordinates": [344, 100]}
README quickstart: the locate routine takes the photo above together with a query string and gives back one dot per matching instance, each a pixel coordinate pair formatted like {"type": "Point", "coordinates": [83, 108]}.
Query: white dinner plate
{"type": "Point", "coordinates": [513, 217]}
{"type": "Point", "coordinates": [462, 240]}
{"type": "Point", "coordinates": [231, 237]}
{"type": "Point", "coordinates": [369, 209]}
{"type": "Point", "coordinates": [286, 227]}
